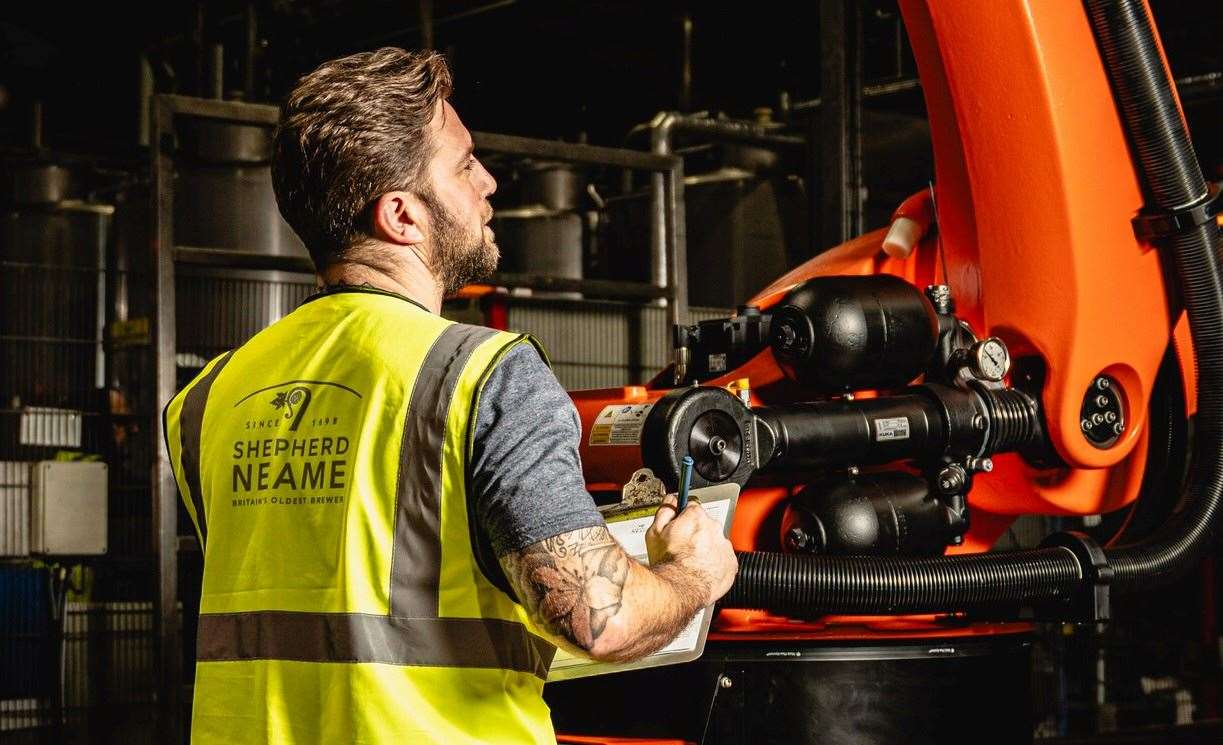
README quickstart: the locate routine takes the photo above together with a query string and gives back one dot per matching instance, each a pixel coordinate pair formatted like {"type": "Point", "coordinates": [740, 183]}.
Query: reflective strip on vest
{"type": "Point", "coordinates": [414, 583]}
{"type": "Point", "coordinates": [359, 637]}
{"type": "Point", "coordinates": [191, 423]}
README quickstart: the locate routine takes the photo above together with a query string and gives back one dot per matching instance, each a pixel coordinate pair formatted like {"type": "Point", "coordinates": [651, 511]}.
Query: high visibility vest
{"type": "Point", "coordinates": [324, 464]}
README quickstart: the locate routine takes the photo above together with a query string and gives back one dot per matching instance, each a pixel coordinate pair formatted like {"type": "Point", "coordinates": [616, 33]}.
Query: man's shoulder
{"type": "Point", "coordinates": [521, 381]}
{"type": "Point", "coordinates": [523, 353]}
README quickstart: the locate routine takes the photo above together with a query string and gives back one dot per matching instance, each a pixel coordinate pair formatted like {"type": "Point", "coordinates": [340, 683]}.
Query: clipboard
{"type": "Point", "coordinates": [628, 526]}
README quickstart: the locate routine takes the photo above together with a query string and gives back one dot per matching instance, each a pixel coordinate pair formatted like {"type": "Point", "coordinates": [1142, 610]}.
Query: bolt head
{"type": "Point", "coordinates": [1118, 428]}
{"type": "Point", "coordinates": [1102, 383]}
{"type": "Point", "coordinates": [725, 682]}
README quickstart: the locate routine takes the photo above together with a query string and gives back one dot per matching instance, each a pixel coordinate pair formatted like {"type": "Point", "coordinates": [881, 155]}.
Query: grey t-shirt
{"type": "Point", "coordinates": [526, 473]}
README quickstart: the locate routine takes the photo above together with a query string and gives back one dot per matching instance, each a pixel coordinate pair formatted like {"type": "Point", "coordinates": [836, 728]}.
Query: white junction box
{"type": "Point", "coordinates": [68, 508]}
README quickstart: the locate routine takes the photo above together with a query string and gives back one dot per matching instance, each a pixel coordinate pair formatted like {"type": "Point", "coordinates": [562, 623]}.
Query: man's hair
{"type": "Point", "coordinates": [349, 132]}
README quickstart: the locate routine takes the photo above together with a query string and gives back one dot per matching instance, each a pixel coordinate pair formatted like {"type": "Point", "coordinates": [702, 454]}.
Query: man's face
{"type": "Point", "coordinates": [462, 246]}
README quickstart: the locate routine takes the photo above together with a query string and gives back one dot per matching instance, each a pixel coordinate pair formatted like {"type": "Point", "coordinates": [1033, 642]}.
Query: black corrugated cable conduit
{"type": "Point", "coordinates": [1172, 179]}
{"type": "Point", "coordinates": [802, 584]}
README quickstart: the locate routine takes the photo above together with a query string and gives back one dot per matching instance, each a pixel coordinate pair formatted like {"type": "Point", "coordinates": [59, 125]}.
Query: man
{"type": "Point", "coordinates": [395, 527]}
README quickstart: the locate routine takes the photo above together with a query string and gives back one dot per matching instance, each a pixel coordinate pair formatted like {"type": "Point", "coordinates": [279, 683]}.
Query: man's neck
{"type": "Point", "coordinates": [408, 277]}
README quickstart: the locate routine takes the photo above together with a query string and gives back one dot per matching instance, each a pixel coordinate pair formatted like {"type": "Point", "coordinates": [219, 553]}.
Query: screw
{"type": "Point", "coordinates": [717, 445]}
{"type": "Point", "coordinates": [940, 298]}
{"type": "Point", "coordinates": [1102, 401]}
{"type": "Point", "coordinates": [725, 681]}
{"type": "Point", "coordinates": [1110, 416]}
{"type": "Point", "coordinates": [951, 479]}
{"type": "Point", "coordinates": [1118, 428]}
{"type": "Point", "coordinates": [1097, 418]}
{"type": "Point", "coordinates": [1085, 425]}
{"type": "Point", "coordinates": [1102, 383]}
{"type": "Point", "coordinates": [985, 464]}
{"type": "Point", "coordinates": [798, 539]}
{"type": "Point", "coordinates": [852, 471]}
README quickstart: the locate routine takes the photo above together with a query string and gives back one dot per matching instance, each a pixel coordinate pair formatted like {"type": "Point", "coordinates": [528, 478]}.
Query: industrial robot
{"type": "Point", "coordinates": [1039, 333]}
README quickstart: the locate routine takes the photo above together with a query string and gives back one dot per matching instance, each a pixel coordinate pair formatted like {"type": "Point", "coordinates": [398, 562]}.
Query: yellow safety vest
{"type": "Point", "coordinates": [324, 464]}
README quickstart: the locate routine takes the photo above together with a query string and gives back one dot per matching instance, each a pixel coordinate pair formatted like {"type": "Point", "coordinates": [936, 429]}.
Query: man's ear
{"type": "Point", "coordinates": [400, 217]}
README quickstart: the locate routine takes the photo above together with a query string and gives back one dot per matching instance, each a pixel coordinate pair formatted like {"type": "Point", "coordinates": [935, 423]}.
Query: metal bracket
{"type": "Point", "coordinates": [1150, 226]}
{"type": "Point", "coordinates": [1089, 603]}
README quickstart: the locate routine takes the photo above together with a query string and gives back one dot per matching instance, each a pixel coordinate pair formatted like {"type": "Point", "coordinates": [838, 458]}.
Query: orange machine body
{"type": "Point", "coordinates": [1034, 193]}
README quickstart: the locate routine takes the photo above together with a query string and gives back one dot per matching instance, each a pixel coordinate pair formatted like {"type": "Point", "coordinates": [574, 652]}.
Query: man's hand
{"type": "Point", "coordinates": [589, 596]}
{"type": "Point", "coordinates": [693, 541]}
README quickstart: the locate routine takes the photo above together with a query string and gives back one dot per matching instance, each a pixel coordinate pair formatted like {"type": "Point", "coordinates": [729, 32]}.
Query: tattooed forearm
{"type": "Point", "coordinates": [572, 584]}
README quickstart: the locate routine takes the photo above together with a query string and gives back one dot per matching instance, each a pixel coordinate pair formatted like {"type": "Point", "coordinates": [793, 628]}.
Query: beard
{"type": "Point", "coordinates": [460, 255]}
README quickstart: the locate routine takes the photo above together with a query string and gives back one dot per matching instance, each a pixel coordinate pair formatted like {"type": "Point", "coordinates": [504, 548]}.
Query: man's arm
{"type": "Point", "coordinates": [583, 589]}
{"type": "Point", "coordinates": [532, 508]}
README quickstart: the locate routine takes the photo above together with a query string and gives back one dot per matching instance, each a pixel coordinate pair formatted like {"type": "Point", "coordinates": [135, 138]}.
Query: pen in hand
{"type": "Point", "coordinates": [685, 483]}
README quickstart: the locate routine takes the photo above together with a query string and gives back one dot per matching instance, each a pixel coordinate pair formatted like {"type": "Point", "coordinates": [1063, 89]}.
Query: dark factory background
{"type": "Point", "coordinates": [762, 102]}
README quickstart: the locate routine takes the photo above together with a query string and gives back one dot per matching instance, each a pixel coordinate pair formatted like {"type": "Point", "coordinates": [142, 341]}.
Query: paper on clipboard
{"type": "Point", "coordinates": [629, 528]}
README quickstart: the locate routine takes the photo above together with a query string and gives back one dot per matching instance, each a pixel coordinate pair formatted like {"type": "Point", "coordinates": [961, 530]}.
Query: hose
{"type": "Point", "coordinates": [1173, 180]}
{"type": "Point", "coordinates": [802, 584]}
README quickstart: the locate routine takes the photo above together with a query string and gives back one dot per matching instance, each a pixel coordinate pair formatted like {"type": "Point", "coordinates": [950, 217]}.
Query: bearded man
{"type": "Point", "coordinates": [395, 526]}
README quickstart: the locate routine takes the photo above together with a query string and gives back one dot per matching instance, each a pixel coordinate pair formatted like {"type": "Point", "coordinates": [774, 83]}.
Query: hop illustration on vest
{"type": "Point", "coordinates": [288, 400]}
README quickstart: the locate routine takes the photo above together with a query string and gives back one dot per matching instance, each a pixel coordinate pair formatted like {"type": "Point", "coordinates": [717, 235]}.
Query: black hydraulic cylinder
{"type": "Point", "coordinates": [859, 432]}
{"type": "Point", "coordinates": [926, 423]}
{"type": "Point", "coordinates": [833, 334]}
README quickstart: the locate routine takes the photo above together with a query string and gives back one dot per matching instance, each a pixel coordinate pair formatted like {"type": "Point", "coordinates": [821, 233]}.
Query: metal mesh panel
{"type": "Point", "coordinates": [26, 652]}
{"type": "Point", "coordinates": [599, 344]}
{"type": "Point", "coordinates": [75, 382]}
{"type": "Point", "coordinates": [218, 310]}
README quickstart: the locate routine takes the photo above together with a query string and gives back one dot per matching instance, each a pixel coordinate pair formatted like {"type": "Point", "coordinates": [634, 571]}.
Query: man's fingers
{"type": "Point", "coordinates": [666, 512]}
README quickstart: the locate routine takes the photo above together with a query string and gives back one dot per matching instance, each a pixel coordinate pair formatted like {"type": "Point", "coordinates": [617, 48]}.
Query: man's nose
{"type": "Point", "coordinates": [488, 185]}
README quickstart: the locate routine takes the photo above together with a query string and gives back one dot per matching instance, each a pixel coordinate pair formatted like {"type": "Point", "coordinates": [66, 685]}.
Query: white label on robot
{"type": "Point", "coordinates": [892, 429]}
{"type": "Point", "coordinates": [717, 362]}
{"type": "Point", "coordinates": [619, 425]}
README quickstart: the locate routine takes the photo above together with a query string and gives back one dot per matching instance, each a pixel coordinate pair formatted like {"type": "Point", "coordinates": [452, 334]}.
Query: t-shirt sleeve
{"type": "Point", "coordinates": [526, 474]}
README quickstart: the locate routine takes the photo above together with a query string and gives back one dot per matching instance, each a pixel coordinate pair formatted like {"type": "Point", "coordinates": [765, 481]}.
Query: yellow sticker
{"type": "Point", "coordinates": [619, 425]}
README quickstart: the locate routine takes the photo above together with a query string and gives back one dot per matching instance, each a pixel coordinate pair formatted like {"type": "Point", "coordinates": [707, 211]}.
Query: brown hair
{"type": "Point", "coordinates": [352, 130]}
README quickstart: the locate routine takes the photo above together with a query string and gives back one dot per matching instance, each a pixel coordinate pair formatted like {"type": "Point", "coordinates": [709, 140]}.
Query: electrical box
{"type": "Point", "coordinates": [68, 508]}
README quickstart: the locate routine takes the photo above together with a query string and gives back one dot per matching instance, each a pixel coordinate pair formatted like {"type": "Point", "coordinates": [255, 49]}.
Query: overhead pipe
{"type": "Point", "coordinates": [663, 128]}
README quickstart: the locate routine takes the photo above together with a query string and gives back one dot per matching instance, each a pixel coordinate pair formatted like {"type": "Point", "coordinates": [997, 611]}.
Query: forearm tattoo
{"type": "Point", "coordinates": [572, 584]}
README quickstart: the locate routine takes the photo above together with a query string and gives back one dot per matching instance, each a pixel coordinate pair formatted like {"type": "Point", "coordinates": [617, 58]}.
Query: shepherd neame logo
{"type": "Point", "coordinates": [292, 462]}
{"type": "Point", "coordinates": [311, 463]}
{"type": "Point", "coordinates": [297, 398]}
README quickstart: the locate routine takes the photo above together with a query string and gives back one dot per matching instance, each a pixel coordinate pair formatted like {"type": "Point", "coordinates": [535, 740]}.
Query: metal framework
{"type": "Point", "coordinates": [668, 250]}
{"type": "Point", "coordinates": [167, 110]}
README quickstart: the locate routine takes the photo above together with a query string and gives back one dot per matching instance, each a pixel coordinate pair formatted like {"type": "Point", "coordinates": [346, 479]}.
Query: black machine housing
{"type": "Point", "coordinates": [833, 336]}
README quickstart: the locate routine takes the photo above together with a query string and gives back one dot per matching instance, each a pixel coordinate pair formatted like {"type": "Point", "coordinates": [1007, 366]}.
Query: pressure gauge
{"type": "Point", "coordinates": [990, 360]}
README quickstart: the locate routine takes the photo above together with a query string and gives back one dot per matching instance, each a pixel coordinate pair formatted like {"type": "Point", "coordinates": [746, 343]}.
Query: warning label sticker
{"type": "Point", "coordinates": [619, 425]}
{"type": "Point", "coordinates": [892, 429]}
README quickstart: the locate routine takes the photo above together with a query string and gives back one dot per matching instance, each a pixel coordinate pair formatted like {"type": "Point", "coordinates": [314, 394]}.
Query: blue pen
{"type": "Point", "coordinates": [685, 483]}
